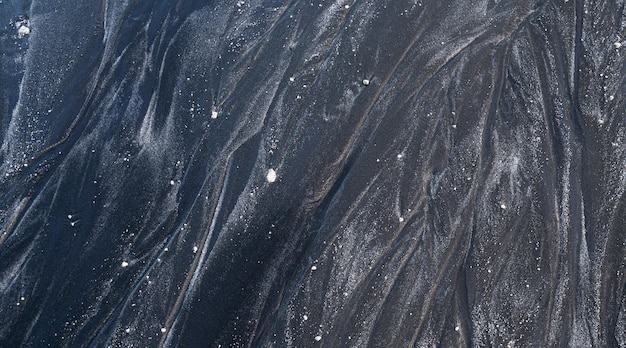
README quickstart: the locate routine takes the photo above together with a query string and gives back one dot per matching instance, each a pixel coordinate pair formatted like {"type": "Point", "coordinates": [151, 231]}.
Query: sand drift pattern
{"type": "Point", "coordinates": [264, 173]}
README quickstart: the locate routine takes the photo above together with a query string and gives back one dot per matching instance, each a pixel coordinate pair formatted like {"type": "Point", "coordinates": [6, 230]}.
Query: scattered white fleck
{"type": "Point", "coordinates": [318, 338]}
{"type": "Point", "coordinates": [347, 7]}
{"type": "Point", "coordinates": [195, 249]}
{"type": "Point", "coordinates": [454, 126]}
{"type": "Point", "coordinates": [124, 264]}
{"type": "Point", "coordinates": [366, 82]}
{"type": "Point", "coordinates": [172, 182]}
{"type": "Point", "coordinates": [163, 330]}
{"type": "Point", "coordinates": [502, 206]}
{"type": "Point", "coordinates": [457, 328]}
{"type": "Point", "coordinates": [401, 219]}
{"type": "Point", "coordinates": [617, 44]}
{"type": "Point", "coordinates": [313, 268]}
{"type": "Point", "coordinates": [305, 317]}
{"type": "Point", "coordinates": [214, 114]}
{"type": "Point", "coordinates": [292, 79]}
{"type": "Point", "coordinates": [70, 216]}
{"type": "Point", "coordinates": [611, 97]}
{"type": "Point", "coordinates": [400, 155]}
{"type": "Point", "coordinates": [271, 175]}
{"type": "Point", "coordinates": [127, 330]}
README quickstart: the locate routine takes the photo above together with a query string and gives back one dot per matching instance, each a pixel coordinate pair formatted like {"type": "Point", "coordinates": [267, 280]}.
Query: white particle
{"type": "Point", "coordinates": [305, 317]}
{"type": "Point", "coordinates": [456, 328]}
{"type": "Point", "coordinates": [502, 206]}
{"type": "Point", "coordinates": [401, 219]}
{"type": "Point", "coordinates": [271, 175]}
{"type": "Point", "coordinates": [366, 82]}
{"type": "Point", "coordinates": [292, 79]}
{"type": "Point", "coordinates": [172, 182]}
{"type": "Point", "coordinates": [617, 44]}
{"type": "Point", "coordinates": [214, 114]}
{"type": "Point", "coordinates": [69, 216]}
{"type": "Point", "coordinates": [347, 7]}
{"type": "Point", "coordinates": [163, 330]}
{"type": "Point", "coordinates": [313, 268]}
{"type": "Point", "coordinates": [611, 97]}
{"type": "Point", "coordinates": [23, 30]}
{"type": "Point", "coordinates": [127, 330]}
{"type": "Point", "coordinates": [195, 249]}
{"type": "Point", "coordinates": [318, 338]}
{"type": "Point", "coordinates": [124, 264]}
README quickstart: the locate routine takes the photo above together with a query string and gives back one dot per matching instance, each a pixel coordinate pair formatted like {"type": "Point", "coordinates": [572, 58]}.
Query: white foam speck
{"type": "Point", "coordinates": [172, 182]}
{"type": "Point", "coordinates": [271, 175]}
{"type": "Point", "coordinates": [195, 249]}
{"type": "Point", "coordinates": [314, 268]}
{"type": "Point", "coordinates": [617, 44]}
{"type": "Point", "coordinates": [401, 219]}
{"type": "Point", "coordinates": [163, 330]}
{"type": "Point", "coordinates": [456, 328]}
{"type": "Point", "coordinates": [305, 317]}
{"type": "Point", "coordinates": [214, 114]}
{"type": "Point", "coordinates": [318, 338]}
{"type": "Point", "coordinates": [366, 82]}
{"type": "Point", "coordinates": [127, 330]}
{"type": "Point", "coordinates": [503, 206]}
{"type": "Point", "coordinates": [124, 264]}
